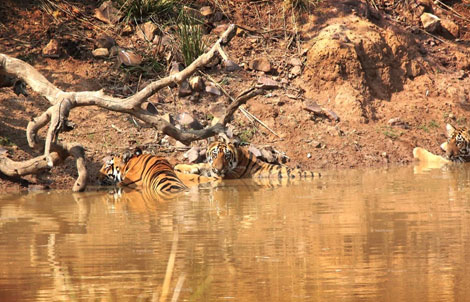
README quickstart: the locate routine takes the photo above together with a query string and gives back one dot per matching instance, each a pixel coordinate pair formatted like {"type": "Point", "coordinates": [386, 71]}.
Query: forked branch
{"type": "Point", "coordinates": [63, 102]}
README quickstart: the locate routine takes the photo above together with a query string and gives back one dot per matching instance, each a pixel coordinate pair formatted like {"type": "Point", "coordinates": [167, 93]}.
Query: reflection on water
{"type": "Point", "coordinates": [382, 235]}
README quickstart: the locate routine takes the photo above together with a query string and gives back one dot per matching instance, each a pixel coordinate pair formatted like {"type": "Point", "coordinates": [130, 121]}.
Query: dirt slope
{"type": "Point", "coordinates": [391, 85]}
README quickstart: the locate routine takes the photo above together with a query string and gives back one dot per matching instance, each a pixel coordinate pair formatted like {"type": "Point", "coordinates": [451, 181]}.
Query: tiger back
{"type": "Point", "coordinates": [231, 162]}
{"type": "Point", "coordinates": [457, 147]}
{"type": "Point", "coordinates": [138, 170]}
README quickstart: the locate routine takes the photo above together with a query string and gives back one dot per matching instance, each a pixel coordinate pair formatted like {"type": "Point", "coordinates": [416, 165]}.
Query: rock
{"type": "Point", "coordinates": [313, 107]}
{"type": "Point", "coordinates": [129, 58]}
{"type": "Point", "coordinates": [127, 30]}
{"type": "Point", "coordinates": [184, 89]}
{"type": "Point", "coordinates": [430, 22]}
{"type": "Point", "coordinates": [197, 83]}
{"type": "Point", "coordinates": [108, 13]}
{"type": "Point", "coordinates": [261, 64]}
{"type": "Point", "coordinates": [396, 121]}
{"type": "Point", "coordinates": [146, 31]}
{"type": "Point", "coordinates": [295, 62]}
{"type": "Point", "coordinates": [267, 83]}
{"type": "Point", "coordinates": [168, 118]}
{"type": "Point", "coordinates": [100, 53]}
{"type": "Point", "coordinates": [309, 155]}
{"type": "Point", "coordinates": [219, 29]}
{"type": "Point", "coordinates": [175, 68]}
{"type": "Point", "coordinates": [150, 108]}
{"type": "Point", "coordinates": [268, 156]}
{"type": "Point", "coordinates": [295, 71]}
{"type": "Point", "coordinates": [193, 13]}
{"type": "Point", "coordinates": [206, 11]}
{"type": "Point", "coordinates": [37, 187]}
{"type": "Point", "coordinates": [3, 152]}
{"type": "Point", "coordinates": [213, 90]}
{"type": "Point", "coordinates": [187, 120]}
{"type": "Point", "coordinates": [450, 27]}
{"type": "Point", "coordinates": [104, 41]}
{"type": "Point", "coordinates": [193, 155]}
{"type": "Point", "coordinates": [255, 151]}
{"type": "Point", "coordinates": [180, 146]}
{"type": "Point", "coordinates": [230, 66]}
{"type": "Point", "coordinates": [52, 49]}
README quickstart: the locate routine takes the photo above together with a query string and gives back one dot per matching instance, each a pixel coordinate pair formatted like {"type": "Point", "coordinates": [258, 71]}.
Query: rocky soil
{"type": "Point", "coordinates": [357, 85]}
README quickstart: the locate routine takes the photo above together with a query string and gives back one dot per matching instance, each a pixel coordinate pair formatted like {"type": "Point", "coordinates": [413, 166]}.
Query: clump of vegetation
{"type": "Point", "coordinates": [5, 141]}
{"type": "Point", "coordinates": [246, 135]}
{"type": "Point", "coordinates": [305, 5]}
{"type": "Point", "coordinates": [141, 10]}
{"type": "Point", "coordinates": [390, 132]}
{"type": "Point", "coordinates": [189, 33]}
{"type": "Point", "coordinates": [426, 127]}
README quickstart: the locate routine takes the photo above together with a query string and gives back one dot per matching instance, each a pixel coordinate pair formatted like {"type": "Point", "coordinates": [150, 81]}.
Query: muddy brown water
{"type": "Point", "coordinates": [380, 235]}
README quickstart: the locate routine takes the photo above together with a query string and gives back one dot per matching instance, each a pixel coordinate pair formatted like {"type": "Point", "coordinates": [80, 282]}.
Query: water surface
{"type": "Point", "coordinates": [381, 235]}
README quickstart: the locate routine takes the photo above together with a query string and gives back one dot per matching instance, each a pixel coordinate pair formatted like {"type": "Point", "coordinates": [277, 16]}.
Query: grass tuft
{"type": "Point", "coordinates": [189, 34]}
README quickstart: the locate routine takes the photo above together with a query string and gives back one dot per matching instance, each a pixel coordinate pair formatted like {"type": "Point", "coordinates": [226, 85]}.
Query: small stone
{"type": "Point", "coordinates": [175, 68]}
{"type": "Point", "coordinates": [197, 83]}
{"type": "Point", "coordinates": [52, 49]}
{"type": "Point", "coordinates": [262, 64]}
{"type": "Point", "coordinates": [104, 41]}
{"type": "Point", "coordinates": [268, 156]}
{"type": "Point", "coordinates": [451, 27]}
{"type": "Point", "coordinates": [296, 70]}
{"type": "Point", "coordinates": [129, 58]}
{"type": "Point", "coordinates": [180, 146]}
{"type": "Point", "coordinates": [37, 187]}
{"type": "Point", "coordinates": [187, 120]}
{"type": "Point", "coordinates": [193, 13]}
{"type": "Point", "coordinates": [146, 31]}
{"type": "Point", "coordinates": [184, 89]}
{"type": "Point", "coordinates": [108, 13]}
{"type": "Point", "coordinates": [100, 53]}
{"type": "Point", "coordinates": [255, 151]}
{"type": "Point", "coordinates": [295, 62]}
{"type": "Point", "coordinates": [309, 155]}
{"type": "Point", "coordinates": [430, 22]}
{"type": "Point", "coordinates": [127, 30]}
{"type": "Point", "coordinates": [267, 83]}
{"type": "Point", "coordinates": [206, 11]}
{"type": "Point", "coordinates": [168, 118]}
{"type": "Point", "coordinates": [213, 90]}
{"type": "Point", "coordinates": [193, 155]}
{"type": "Point", "coordinates": [230, 66]}
{"type": "Point", "coordinates": [219, 29]}
{"type": "Point", "coordinates": [313, 107]}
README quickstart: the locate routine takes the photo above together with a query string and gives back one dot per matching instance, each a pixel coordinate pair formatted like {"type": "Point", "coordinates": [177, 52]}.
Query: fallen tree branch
{"type": "Point", "coordinates": [63, 102]}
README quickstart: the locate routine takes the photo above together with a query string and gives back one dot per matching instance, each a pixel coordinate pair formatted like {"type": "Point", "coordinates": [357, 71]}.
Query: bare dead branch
{"type": "Point", "coordinates": [63, 102]}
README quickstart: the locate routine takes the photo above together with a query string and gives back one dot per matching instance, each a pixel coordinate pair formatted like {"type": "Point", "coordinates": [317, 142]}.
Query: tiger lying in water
{"type": "Point", "coordinates": [457, 147]}
{"type": "Point", "coordinates": [136, 169]}
{"type": "Point", "coordinates": [227, 161]}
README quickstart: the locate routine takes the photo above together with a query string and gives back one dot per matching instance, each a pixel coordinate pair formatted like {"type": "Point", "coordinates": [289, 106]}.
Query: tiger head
{"type": "Point", "coordinates": [114, 168]}
{"type": "Point", "coordinates": [223, 157]}
{"type": "Point", "coordinates": [457, 147]}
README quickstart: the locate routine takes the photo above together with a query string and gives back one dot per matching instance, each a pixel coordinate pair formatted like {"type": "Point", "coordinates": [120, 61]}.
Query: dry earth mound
{"type": "Point", "coordinates": [352, 62]}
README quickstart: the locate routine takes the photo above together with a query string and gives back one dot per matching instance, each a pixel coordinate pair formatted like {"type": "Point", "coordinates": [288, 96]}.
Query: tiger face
{"type": "Point", "coordinates": [457, 147]}
{"type": "Point", "coordinates": [222, 157]}
{"type": "Point", "coordinates": [112, 171]}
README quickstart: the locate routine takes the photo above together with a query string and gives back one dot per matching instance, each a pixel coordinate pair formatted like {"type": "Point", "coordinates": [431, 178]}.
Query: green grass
{"type": "Point", "coordinates": [431, 125]}
{"type": "Point", "coordinates": [5, 141]}
{"type": "Point", "coordinates": [189, 35]}
{"type": "Point", "coordinates": [390, 132]}
{"type": "Point", "coordinates": [246, 135]}
{"type": "Point", "coordinates": [143, 10]}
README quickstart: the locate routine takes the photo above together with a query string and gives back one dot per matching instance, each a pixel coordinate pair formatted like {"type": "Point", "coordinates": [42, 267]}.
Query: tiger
{"type": "Point", "coordinates": [228, 161]}
{"type": "Point", "coordinates": [138, 170]}
{"type": "Point", "coordinates": [457, 146]}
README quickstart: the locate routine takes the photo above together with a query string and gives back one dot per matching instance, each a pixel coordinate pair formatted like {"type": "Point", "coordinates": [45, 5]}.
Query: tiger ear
{"type": "Point", "coordinates": [450, 130]}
